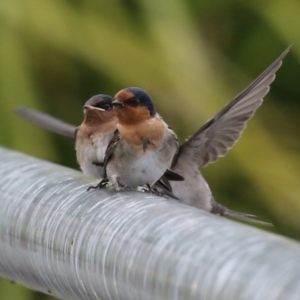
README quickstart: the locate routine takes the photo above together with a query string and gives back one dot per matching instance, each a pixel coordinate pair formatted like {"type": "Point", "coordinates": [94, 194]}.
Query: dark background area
{"type": "Point", "coordinates": [191, 56]}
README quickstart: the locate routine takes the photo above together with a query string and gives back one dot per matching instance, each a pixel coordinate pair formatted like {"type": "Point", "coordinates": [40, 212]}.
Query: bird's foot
{"type": "Point", "coordinates": [102, 184]}
{"type": "Point", "coordinates": [152, 190]}
{"type": "Point", "coordinates": [120, 186]}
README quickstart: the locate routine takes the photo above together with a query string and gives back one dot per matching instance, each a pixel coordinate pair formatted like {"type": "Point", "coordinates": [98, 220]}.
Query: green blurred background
{"type": "Point", "coordinates": [191, 56]}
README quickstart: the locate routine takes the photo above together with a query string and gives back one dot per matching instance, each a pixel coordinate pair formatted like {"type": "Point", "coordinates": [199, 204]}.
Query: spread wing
{"type": "Point", "coordinates": [219, 134]}
{"type": "Point", "coordinates": [47, 122]}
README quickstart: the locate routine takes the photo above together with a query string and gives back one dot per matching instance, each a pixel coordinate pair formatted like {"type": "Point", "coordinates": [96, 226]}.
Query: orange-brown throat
{"type": "Point", "coordinates": [94, 117]}
{"type": "Point", "coordinates": [146, 135]}
{"type": "Point", "coordinates": [129, 115]}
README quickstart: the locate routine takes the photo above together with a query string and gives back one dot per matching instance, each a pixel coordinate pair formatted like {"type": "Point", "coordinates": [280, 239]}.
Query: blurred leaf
{"type": "Point", "coordinates": [16, 88]}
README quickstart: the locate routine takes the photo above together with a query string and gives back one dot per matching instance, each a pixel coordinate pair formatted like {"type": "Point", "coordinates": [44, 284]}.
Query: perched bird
{"type": "Point", "coordinates": [211, 141]}
{"type": "Point", "coordinates": [143, 146]}
{"type": "Point", "coordinates": [214, 139]}
{"type": "Point", "coordinates": [92, 136]}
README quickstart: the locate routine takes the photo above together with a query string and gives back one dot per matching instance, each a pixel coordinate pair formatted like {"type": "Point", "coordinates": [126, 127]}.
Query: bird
{"type": "Point", "coordinates": [94, 134]}
{"type": "Point", "coordinates": [143, 146]}
{"type": "Point", "coordinates": [210, 142]}
{"type": "Point", "coordinates": [91, 137]}
{"type": "Point", "coordinates": [214, 139]}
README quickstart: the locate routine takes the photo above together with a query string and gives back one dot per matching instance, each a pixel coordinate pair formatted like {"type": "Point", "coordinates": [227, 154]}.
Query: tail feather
{"type": "Point", "coordinates": [221, 210]}
{"type": "Point", "coordinates": [245, 217]}
{"type": "Point", "coordinates": [47, 122]}
{"type": "Point", "coordinates": [165, 189]}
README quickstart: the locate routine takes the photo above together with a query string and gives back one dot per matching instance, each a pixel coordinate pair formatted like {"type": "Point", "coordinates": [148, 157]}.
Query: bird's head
{"type": "Point", "coordinates": [133, 105]}
{"type": "Point", "coordinates": [98, 109]}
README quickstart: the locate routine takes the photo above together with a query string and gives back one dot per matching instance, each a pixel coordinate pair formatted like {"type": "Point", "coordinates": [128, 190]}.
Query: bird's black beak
{"type": "Point", "coordinates": [118, 103]}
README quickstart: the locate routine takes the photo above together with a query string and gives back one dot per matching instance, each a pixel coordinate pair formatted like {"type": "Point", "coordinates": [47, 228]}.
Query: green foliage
{"type": "Point", "coordinates": [191, 56]}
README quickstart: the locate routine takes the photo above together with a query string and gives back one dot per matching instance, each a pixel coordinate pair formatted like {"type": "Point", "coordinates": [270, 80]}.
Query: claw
{"type": "Point", "coordinates": [102, 184]}
{"type": "Point", "coordinates": [153, 190]}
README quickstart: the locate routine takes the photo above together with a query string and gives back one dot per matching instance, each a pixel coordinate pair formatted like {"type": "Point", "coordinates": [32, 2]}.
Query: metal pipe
{"type": "Point", "coordinates": [57, 238]}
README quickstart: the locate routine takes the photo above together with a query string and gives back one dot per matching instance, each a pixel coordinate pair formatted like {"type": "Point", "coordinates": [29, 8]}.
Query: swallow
{"type": "Point", "coordinates": [91, 137]}
{"type": "Point", "coordinates": [210, 142]}
{"type": "Point", "coordinates": [94, 134]}
{"type": "Point", "coordinates": [214, 139]}
{"type": "Point", "coordinates": [143, 146]}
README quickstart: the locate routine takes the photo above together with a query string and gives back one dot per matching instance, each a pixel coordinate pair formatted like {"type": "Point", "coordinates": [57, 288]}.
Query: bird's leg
{"type": "Point", "coordinates": [100, 185]}
{"type": "Point", "coordinates": [119, 186]}
{"type": "Point", "coordinates": [116, 183]}
{"type": "Point", "coordinates": [153, 190]}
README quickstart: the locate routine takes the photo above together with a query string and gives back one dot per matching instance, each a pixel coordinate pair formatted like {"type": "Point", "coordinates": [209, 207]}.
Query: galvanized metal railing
{"type": "Point", "coordinates": [57, 238]}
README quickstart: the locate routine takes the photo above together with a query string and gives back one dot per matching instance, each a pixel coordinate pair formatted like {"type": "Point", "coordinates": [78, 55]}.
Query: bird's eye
{"type": "Point", "coordinates": [133, 102]}
{"type": "Point", "coordinates": [106, 107]}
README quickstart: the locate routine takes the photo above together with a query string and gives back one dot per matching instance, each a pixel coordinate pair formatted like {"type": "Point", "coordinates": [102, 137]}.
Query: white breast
{"type": "Point", "coordinates": [132, 168]}
{"type": "Point", "coordinates": [146, 168]}
{"type": "Point", "coordinates": [92, 150]}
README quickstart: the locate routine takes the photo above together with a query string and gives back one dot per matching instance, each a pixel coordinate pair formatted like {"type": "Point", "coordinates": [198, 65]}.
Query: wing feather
{"type": "Point", "coordinates": [217, 136]}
